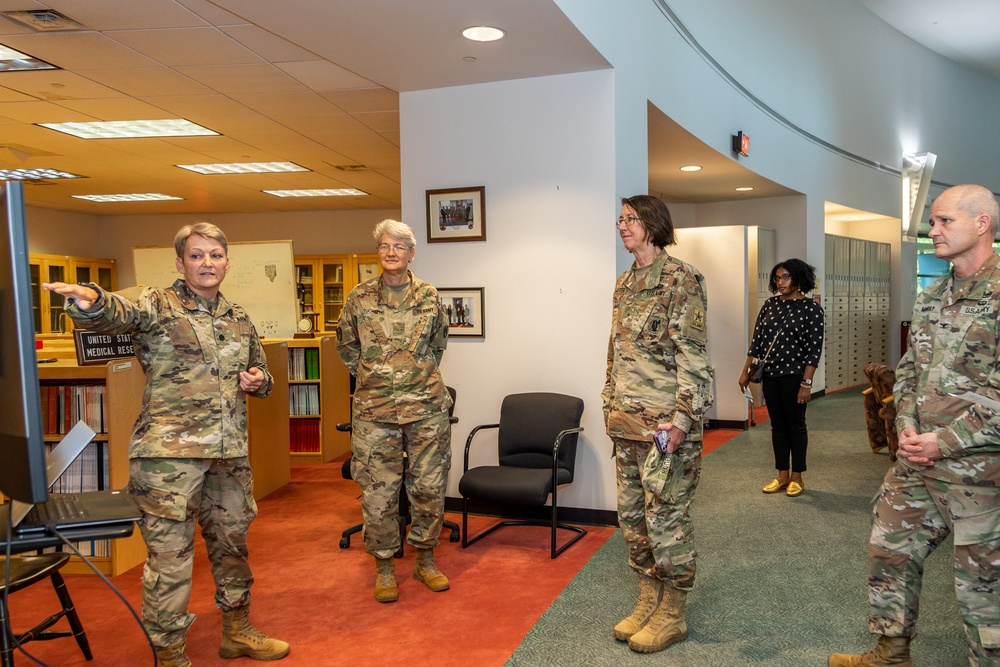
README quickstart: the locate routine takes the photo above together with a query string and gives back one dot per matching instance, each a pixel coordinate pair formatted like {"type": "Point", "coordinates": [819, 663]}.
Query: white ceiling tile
{"type": "Point", "coordinates": [78, 50]}
{"type": "Point", "coordinates": [119, 14]}
{"type": "Point", "coordinates": [148, 81]}
{"type": "Point", "coordinates": [297, 103]}
{"type": "Point", "coordinates": [243, 78]}
{"type": "Point", "coordinates": [324, 75]}
{"type": "Point", "coordinates": [186, 46]}
{"type": "Point", "coordinates": [54, 85]}
{"type": "Point", "coordinates": [267, 45]}
{"type": "Point", "coordinates": [199, 107]}
{"type": "Point", "coordinates": [363, 99]}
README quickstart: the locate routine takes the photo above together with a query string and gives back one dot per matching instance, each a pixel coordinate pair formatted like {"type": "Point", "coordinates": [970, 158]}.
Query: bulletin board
{"type": "Point", "coordinates": [261, 279]}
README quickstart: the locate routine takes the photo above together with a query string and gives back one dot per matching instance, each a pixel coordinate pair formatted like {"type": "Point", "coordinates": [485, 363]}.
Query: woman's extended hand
{"type": "Point", "coordinates": [83, 295]}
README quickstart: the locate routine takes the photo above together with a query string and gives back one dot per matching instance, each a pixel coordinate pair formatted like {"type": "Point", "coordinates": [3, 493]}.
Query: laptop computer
{"type": "Point", "coordinates": [63, 511]}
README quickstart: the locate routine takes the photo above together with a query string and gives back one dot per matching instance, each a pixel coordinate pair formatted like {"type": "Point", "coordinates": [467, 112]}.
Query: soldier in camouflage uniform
{"type": "Point", "coordinates": [189, 466]}
{"type": "Point", "coordinates": [659, 379]}
{"type": "Point", "coordinates": [392, 334]}
{"type": "Point", "coordinates": [946, 480]}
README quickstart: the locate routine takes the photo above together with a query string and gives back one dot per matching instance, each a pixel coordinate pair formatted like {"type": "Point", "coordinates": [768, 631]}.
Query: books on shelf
{"type": "Point", "coordinates": [303, 363]}
{"type": "Point", "coordinates": [303, 399]}
{"type": "Point", "coordinates": [64, 405]}
{"type": "Point", "coordinates": [304, 435]}
{"type": "Point", "coordinates": [89, 472]}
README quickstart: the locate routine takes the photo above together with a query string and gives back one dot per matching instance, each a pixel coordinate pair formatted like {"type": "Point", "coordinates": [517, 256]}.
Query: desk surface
{"type": "Point", "coordinates": [20, 543]}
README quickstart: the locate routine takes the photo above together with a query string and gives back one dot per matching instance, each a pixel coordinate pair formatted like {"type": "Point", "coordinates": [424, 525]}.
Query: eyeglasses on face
{"type": "Point", "coordinates": [783, 277]}
{"type": "Point", "coordinates": [628, 221]}
{"type": "Point", "coordinates": [398, 247]}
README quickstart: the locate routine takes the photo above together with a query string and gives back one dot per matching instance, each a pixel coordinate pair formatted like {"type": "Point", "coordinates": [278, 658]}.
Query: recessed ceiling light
{"type": "Point", "coordinates": [745, 188]}
{"type": "Point", "coordinates": [337, 192]}
{"type": "Point", "coordinates": [148, 196]}
{"type": "Point", "coordinates": [130, 129]}
{"type": "Point", "coordinates": [483, 33]}
{"type": "Point", "coordinates": [243, 167]}
{"type": "Point", "coordinates": [691, 167]}
{"type": "Point", "coordinates": [12, 60]}
{"type": "Point", "coordinates": [34, 174]}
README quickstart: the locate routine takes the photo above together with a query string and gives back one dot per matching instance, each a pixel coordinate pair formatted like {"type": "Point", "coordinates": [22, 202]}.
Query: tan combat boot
{"type": "Point", "coordinates": [650, 592]}
{"type": "Point", "coordinates": [386, 589]}
{"type": "Point", "coordinates": [666, 626]}
{"type": "Point", "coordinates": [426, 571]}
{"type": "Point", "coordinates": [173, 655]}
{"type": "Point", "coordinates": [890, 651]}
{"type": "Point", "coordinates": [239, 638]}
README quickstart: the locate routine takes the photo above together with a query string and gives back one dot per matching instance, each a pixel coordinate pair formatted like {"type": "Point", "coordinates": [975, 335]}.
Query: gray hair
{"type": "Point", "coordinates": [396, 230]}
{"type": "Point", "coordinates": [978, 200]}
{"type": "Point", "coordinates": [206, 229]}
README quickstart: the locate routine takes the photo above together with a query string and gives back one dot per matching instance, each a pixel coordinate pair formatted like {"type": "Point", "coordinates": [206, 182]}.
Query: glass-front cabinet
{"type": "Point", "coordinates": [47, 307]}
{"type": "Point", "coordinates": [324, 281]}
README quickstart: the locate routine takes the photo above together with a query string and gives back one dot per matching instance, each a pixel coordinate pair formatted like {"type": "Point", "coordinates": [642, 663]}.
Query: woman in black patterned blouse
{"type": "Point", "coordinates": [791, 326]}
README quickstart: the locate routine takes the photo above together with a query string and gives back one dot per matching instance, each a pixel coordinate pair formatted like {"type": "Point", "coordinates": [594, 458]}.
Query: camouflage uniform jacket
{"type": "Point", "coordinates": [192, 406]}
{"type": "Point", "coordinates": [658, 365]}
{"type": "Point", "coordinates": [955, 348]}
{"type": "Point", "coordinates": [394, 352]}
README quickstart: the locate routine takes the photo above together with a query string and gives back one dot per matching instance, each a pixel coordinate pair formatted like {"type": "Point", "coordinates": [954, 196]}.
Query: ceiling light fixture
{"type": "Point", "coordinates": [483, 33]}
{"type": "Point", "coordinates": [329, 192]}
{"type": "Point", "coordinates": [745, 188]}
{"type": "Point", "coordinates": [12, 60]}
{"type": "Point", "coordinates": [34, 174]}
{"type": "Point", "coordinates": [148, 196]}
{"type": "Point", "coordinates": [691, 167]}
{"type": "Point", "coordinates": [243, 167]}
{"type": "Point", "coordinates": [131, 129]}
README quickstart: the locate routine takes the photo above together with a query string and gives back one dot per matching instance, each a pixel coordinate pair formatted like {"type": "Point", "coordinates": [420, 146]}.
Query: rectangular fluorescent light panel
{"type": "Point", "coordinates": [34, 174]}
{"type": "Point", "coordinates": [339, 192]}
{"type": "Point", "coordinates": [15, 61]}
{"type": "Point", "coordinates": [130, 129]}
{"type": "Point", "coordinates": [149, 196]}
{"type": "Point", "coordinates": [243, 167]}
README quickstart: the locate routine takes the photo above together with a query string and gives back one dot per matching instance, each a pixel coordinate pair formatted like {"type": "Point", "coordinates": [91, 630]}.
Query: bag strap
{"type": "Point", "coordinates": [777, 333]}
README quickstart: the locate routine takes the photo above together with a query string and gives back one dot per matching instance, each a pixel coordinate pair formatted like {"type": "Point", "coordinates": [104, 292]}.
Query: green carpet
{"type": "Point", "coordinates": [781, 581]}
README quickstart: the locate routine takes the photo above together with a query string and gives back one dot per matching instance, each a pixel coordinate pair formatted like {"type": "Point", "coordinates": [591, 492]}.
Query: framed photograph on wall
{"type": "Point", "coordinates": [466, 311]}
{"type": "Point", "coordinates": [456, 214]}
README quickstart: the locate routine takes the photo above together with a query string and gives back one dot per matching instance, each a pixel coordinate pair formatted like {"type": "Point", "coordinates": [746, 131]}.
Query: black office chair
{"type": "Point", "coordinates": [25, 571]}
{"type": "Point", "coordinates": [537, 454]}
{"type": "Point", "coordinates": [404, 501]}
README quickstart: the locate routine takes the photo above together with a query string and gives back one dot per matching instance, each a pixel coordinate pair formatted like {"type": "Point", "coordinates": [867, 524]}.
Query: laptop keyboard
{"type": "Point", "coordinates": [59, 509]}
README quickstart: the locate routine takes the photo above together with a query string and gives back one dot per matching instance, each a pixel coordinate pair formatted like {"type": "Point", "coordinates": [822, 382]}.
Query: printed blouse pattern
{"type": "Point", "coordinates": [800, 341]}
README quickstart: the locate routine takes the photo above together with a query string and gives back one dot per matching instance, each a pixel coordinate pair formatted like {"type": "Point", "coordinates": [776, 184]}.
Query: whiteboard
{"type": "Point", "coordinates": [267, 295]}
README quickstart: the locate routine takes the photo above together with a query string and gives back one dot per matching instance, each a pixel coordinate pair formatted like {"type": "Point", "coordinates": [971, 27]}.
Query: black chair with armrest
{"type": "Point", "coordinates": [404, 501]}
{"type": "Point", "coordinates": [25, 571]}
{"type": "Point", "coordinates": [536, 446]}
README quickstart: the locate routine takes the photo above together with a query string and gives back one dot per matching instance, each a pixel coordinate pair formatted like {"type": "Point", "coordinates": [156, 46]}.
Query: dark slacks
{"type": "Point", "coordinates": [789, 437]}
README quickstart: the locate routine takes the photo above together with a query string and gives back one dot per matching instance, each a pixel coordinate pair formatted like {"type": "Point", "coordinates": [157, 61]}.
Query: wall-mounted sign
{"type": "Point", "coordinates": [741, 144]}
{"type": "Point", "coordinates": [98, 348]}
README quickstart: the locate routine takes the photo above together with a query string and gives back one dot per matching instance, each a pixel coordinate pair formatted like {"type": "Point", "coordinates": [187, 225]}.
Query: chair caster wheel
{"type": "Point", "coordinates": [345, 543]}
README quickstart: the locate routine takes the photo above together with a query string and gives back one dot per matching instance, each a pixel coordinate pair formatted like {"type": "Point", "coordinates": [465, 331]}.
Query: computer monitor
{"type": "Point", "coordinates": [22, 448]}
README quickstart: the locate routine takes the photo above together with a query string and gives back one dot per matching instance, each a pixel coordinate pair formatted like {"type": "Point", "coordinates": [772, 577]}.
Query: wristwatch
{"type": "Point", "coordinates": [807, 381]}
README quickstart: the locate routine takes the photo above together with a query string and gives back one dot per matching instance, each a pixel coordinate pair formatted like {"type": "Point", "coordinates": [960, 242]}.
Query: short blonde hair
{"type": "Point", "coordinates": [396, 230]}
{"type": "Point", "coordinates": [206, 229]}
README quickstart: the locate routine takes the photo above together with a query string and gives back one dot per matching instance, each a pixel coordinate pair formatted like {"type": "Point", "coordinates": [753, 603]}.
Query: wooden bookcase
{"type": "Point", "coordinates": [47, 307]}
{"type": "Point", "coordinates": [125, 384]}
{"type": "Point", "coordinates": [324, 281]}
{"type": "Point", "coordinates": [313, 437]}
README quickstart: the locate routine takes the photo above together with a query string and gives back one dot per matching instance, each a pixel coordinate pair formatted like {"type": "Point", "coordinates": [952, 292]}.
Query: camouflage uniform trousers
{"type": "Point", "coordinates": [658, 531]}
{"type": "Point", "coordinates": [377, 465]}
{"type": "Point", "coordinates": [913, 516]}
{"type": "Point", "coordinates": [174, 495]}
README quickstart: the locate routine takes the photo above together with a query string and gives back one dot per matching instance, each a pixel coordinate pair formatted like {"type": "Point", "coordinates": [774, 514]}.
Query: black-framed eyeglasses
{"type": "Point", "coordinates": [628, 221]}
{"type": "Point", "coordinates": [783, 277]}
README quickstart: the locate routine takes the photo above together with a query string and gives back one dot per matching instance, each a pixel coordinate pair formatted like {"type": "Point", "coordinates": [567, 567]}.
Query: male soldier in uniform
{"type": "Point", "coordinates": [946, 479]}
{"type": "Point", "coordinates": [659, 382]}
{"type": "Point", "coordinates": [201, 356]}
{"type": "Point", "coordinates": [392, 334]}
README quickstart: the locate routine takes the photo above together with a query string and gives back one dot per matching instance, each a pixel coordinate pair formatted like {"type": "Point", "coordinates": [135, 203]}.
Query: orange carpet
{"type": "Point", "coordinates": [318, 597]}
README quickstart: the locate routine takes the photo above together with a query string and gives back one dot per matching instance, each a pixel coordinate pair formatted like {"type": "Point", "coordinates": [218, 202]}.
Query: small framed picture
{"type": "Point", "coordinates": [456, 214]}
{"type": "Point", "coordinates": [466, 311]}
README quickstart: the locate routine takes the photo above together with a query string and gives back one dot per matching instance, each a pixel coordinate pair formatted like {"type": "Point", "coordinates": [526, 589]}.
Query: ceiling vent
{"type": "Point", "coordinates": [351, 167]}
{"type": "Point", "coordinates": [44, 20]}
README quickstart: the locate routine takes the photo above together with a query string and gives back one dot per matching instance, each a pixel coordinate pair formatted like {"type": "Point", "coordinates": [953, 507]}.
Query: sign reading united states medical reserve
{"type": "Point", "coordinates": [98, 348]}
